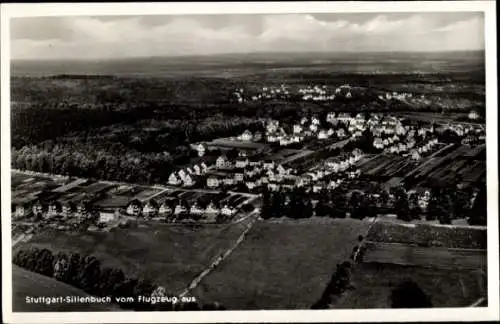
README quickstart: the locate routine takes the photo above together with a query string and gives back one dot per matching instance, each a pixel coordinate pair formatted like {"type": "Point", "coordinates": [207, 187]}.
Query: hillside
{"type": "Point", "coordinates": [26, 283]}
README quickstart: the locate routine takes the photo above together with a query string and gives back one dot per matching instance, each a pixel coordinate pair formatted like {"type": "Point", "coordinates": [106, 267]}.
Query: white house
{"type": "Point", "coordinates": [322, 135]}
{"type": "Point", "coordinates": [227, 211]}
{"type": "Point", "coordinates": [341, 133]}
{"type": "Point", "coordinates": [188, 181]}
{"type": "Point", "coordinates": [204, 167]}
{"type": "Point", "coordinates": [164, 209]}
{"type": "Point", "coordinates": [247, 135]}
{"type": "Point", "coordinates": [211, 210]}
{"type": "Point", "coordinates": [330, 117]}
{"type": "Point", "coordinates": [196, 210]}
{"type": "Point", "coordinates": [222, 162]}
{"type": "Point", "coordinates": [200, 148]}
{"type": "Point", "coordinates": [229, 181]}
{"type": "Point", "coordinates": [213, 182]}
{"type": "Point", "coordinates": [242, 163]}
{"type": "Point", "coordinates": [107, 216]}
{"type": "Point", "coordinates": [473, 115]}
{"type": "Point", "coordinates": [297, 129]}
{"type": "Point", "coordinates": [315, 121]}
{"type": "Point", "coordinates": [197, 169]}
{"type": "Point", "coordinates": [180, 209]}
{"type": "Point", "coordinates": [149, 209]}
{"type": "Point", "coordinates": [313, 127]}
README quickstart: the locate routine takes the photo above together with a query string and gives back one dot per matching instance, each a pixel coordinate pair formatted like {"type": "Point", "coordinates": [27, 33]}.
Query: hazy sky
{"type": "Point", "coordinates": [140, 36]}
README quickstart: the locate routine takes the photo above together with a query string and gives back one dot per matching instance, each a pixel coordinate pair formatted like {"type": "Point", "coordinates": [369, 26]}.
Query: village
{"type": "Point", "coordinates": [315, 154]}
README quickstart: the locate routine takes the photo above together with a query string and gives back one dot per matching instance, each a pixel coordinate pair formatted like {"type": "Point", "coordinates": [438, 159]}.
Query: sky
{"type": "Point", "coordinates": [105, 37]}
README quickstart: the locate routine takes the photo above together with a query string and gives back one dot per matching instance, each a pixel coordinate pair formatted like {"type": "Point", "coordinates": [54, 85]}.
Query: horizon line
{"type": "Point", "coordinates": [242, 54]}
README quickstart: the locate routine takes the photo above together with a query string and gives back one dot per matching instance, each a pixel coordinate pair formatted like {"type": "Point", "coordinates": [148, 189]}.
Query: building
{"type": "Point", "coordinates": [223, 163]}
{"type": "Point", "coordinates": [108, 216]}
{"type": "Point", "coordinates": [247, 136]}
{"type": "Point", "coordinates": [188, 181]}
{"type": "Point", "coordinates": [213, 182]}
{"type": "Point", "coordinates": [297, 129]}
{"type": "Point", "coordinates": [150, 209]}
{"type": "Point", "coordinates": [196, 209]}
{"type": "Point", "coordinates": [242, 163]}
{"type": "Point", "coordinates": [228, 210]}
{"type": "Point", "coordinates": [201, 149]}
{"type": "Point", "coordinates": [134, 208]}
{"type": "Point", "coordinates": [173, 180]}
{"type": "Point", "coordinates": [473, 115]}
{"type": "Point", "coordinates": [165, 209]}
{"type": "Point", "coordinates": [322, 135]}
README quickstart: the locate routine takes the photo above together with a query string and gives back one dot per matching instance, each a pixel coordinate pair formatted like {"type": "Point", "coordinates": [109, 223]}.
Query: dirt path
{"type": "Point", "coordinates": [196, 281]}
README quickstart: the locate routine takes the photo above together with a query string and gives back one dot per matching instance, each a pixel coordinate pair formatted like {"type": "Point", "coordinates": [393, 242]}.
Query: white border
{"type": "Point", "coordinates": [375, 315]}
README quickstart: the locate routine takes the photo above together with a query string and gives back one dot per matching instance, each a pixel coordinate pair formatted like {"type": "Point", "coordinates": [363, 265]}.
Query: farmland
{"type": "Point", "coordinates": [169, 255]}
{"type": "Point", "coordinates": [447, 288]}
{"type": "Point", "coordinates": [282, 265]}
{"type": "Point", "coordinates": [428, 235]}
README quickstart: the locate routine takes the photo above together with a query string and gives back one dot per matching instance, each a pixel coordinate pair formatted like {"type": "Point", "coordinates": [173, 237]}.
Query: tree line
{"type": "Point", "coordinates": [444, 205]}
{"type": "Point", "coordinates": [86, 273]}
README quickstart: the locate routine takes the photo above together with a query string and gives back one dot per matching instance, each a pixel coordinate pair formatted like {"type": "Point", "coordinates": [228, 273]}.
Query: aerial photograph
{"type": "Point", "coordinates": [248, 162]}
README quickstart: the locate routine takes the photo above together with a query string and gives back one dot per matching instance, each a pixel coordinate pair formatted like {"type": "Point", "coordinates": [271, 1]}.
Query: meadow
{"type": "Point", "coordinates": [283, 264]}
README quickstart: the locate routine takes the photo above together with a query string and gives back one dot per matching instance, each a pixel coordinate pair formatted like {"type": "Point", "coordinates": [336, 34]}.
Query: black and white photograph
{"type": "Point", "coordinates": [329, 158]}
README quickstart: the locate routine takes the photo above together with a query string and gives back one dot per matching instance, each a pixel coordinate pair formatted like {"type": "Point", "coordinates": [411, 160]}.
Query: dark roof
{"type": "Point", "coordinates": [113, 202]}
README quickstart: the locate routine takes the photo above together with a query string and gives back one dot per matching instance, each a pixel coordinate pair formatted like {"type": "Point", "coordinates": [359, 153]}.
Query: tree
{"type": "Point", "coordinates": [401, 207]}
{"type": "Point", "coordinates": [266, 211]}
{"type": "Point", "coordinates": [409, 295]}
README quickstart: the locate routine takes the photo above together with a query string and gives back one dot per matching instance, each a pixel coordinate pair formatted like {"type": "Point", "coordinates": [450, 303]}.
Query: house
{"type": "Point", "coordinates": [348, 95]}
{"type": "Point", "coordinates": [273, 186]}
{"type": "Point", "coordinates": [197, 170]}
{"type": "Point", "coordinates": [297, 129]}
{"type": "Point", "coordinates": [227, 210]}
{"type": "Point", "coordinates": [108, 216]}
{"type": "Point", "coordinates": [211, 212]}
{"type": "Point", "coordinates": [281, 169]}
{"type": "Point", "coordinates": [150, 209]}
{"type": "Point", "coordinates": [378, 143]}
{"type": "Point", "coordinates": [241, 163]}
{"type": "Point", "coordinates": [331, 117]}
{"type": "Point", "coordinates": [196, 209]}
{"type": "Point", "coordinates": [213, 182]}
{"type": "Point", "coordinates": [315, 121]}
{"type": "Point", "coordinates": [272, 138]}
{"type": "Point", "coordinates": [182, 174]}
{"type": "Point", "coordinates": [313, 128]}
{"type": "Point", "coordinates": [304, 121]}
{"type": "Point", "coordinates": [54, 209]}
{"type": "Point", "coordinates": [238, 176]}
{"type": "Point", "coordinates": [322, 135]}
{"type": "Point", "coordinates": [251, 184]}
{"type": "Point", "coordinates": [165, 209]}
{"type": "Point", "coordinates": [415, 155]}
{"type": "Point", "coordinates": [204, 167]}
{"type": "Point", "coordinates": [341, 133]}
{"type": "Point", "coordinates": [268, 164]}
{"type": "Point", "coordinates": [201, 149]}
{"type": "Point", "coordinates": [222, 162]}
{"type": "Point", "coordinates": [473, 115]}
{"type": "Point", "coordinates": [180, 209]}
{"type": "Point", "coordinates": [229, 181]}
{"type": "Point", "coordinates": [247, 136]}
{"type": "Point", "coordinates": [188, 181]}
{"type": "Point", "coordinates": [272, 126]}
{"type": "Point", "coordinates": [173, 180]}
{"type": "Point", "coordinates": [257, 137]}
{"type": "Point", "coordinates": [134, 208]}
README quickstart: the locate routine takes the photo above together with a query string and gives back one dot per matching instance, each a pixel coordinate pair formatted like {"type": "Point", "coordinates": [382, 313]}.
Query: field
{"type": "Point", "coordinates": [427, 257]}
{"type": "Point", "coordinates": [428, 235]}
{"type": "Point", "coordinates": [448, 264]}
{"type": "Point", "coordinates": [170, 255]}
{"type": "Point", "coordinates": [283, 264]}
{"type": "Point", "coordinates": [447, 288]}
{"type": "Point", "coordinates": [26, 283]}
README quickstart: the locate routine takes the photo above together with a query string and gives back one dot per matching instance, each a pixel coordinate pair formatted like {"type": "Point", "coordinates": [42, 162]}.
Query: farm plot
{"type": "Point", "coordinates": [427, 257]}
{"type": "Point", "coordinates": [374, 282]}
{"type": "Point", "coordinates": [428, 235]}
{"type": "Point", "coordinates": [282, 265]}
{"type": "Point", "coordinates": [170, 255]}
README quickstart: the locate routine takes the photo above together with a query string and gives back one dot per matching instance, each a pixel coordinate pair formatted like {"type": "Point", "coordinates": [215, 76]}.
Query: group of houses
{"type": "Point", "coordinates": [280, 92]}
{"type": "Point", "coordinates": [187, 177]}
{"type": "Point", "coordinates": [396, 96]}
{"type": "Point", "coordinates": [423, 148]}
{"type": "Point", "coordinates": [316, 93]}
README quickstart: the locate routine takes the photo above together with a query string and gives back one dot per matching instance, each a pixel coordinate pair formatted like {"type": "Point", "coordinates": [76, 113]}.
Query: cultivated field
{"type": "Point", "coordinates": [447, 288]}
{"type": "Point", "coordinates": [282, 264]}
{"type": "Point", "coordinates": [428, 235]}
{"type": "Point", "coordinates": [427, 257]}
{"type": "Point", "coordinates": [26, 283]}
{"type": "Point", "coordinates": [170, 255]}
